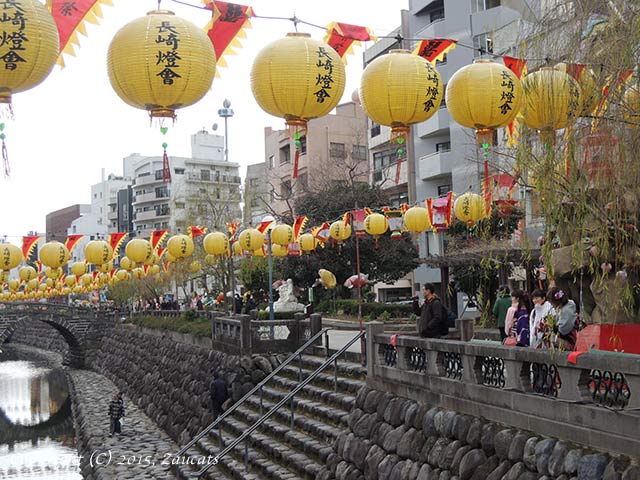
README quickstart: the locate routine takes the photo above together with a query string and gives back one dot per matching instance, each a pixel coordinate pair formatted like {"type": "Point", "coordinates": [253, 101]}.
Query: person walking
{"type": "Point", "coordinates": [541, 310]}
{"type": "Point", "coordinates": [521, 318]}
{"type": "Point", "coordinates": [565, 327]}
{"type": "Point", "coordinates": [503, 302]}
{"type": "Point", "coordinates": [116, 412]}
{"type": "Point", "coordinates": [432, 321]}
{"type": "Point", "coordinates": [219, 394]}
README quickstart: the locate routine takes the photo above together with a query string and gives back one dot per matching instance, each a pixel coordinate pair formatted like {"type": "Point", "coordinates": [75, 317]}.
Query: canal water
{"type": "Point", "coordinates": [37, 436]}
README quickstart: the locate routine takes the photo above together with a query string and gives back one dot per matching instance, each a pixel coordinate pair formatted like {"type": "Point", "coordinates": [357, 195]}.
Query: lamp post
{"type": "Point", "coordinates": [226, 112]}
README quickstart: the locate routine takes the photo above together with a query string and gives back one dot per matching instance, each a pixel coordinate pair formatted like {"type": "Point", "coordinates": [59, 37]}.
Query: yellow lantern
{"type": "Point", "coordinates": [137, 273]}
{"type": "Point", "coordinates": [127, 264]}
{"type": "Point", "coordinates": [552, 101]}
{"type": "Point", "coordinates": [298, 78]}
{"type": "Point", "coordinates": [160, 63]}
{"type": "Point", "coordinates": [4, 276]}
{"type": "Point", "coordinates": [180, 246]}
{"type": "Point", "coordinates": [122, 274]}
{"type": "Point", "coordinates": [251, 239]}
{"type": "Point", "coordinates": [399, 89]}
{"type": "Point", "coordinates": [485, 96]}
{"type": "Point", "coordinates": [469, 208]}
{"type": "Point", "coordinates": [416, 219]}
{"type": "Point", "coordinates": [376, 224]}
{"type": "Point", "coordinates": [261, 252]}
{"type": "Point", "coordinates": [49, 282]}
{"type": "Point", "coordinates": [13, 284]}
{"type": "Point", "coordinates": [70, 281]}
{"type": "Point", "coordinates": [54, 254]}
{"type": "Point", "coordinates": [339, 231]}
{"type": "Point", "coordinates": [308, 242]}
{"type": "Point", "coordinates": [631, 105]}
{"type": "Point", "coordinates": [171, 258]}
{"type": "Point", "coordinates": [590, 93]}
{"type": "Point", "coordinates": [327, 278]}
{"type": "Point", "coordinates": [195, 266]}
{"type": "Point", "coordinates": [86, 279]}
{"type": "Point", "coordinates": [154, 269]}
{"type": "Point", "coordinates": [282, 235]}
{"type": "Point", "coordinates": [279, 250]}
{"type": "Point", "coordinates": [32, 284]}
{"type": "Point", "coordinates": [53, 273]}
{"type": "Point", "coordinates": [209, 259]}
{"type": "Point", "coordinates": [98, 252]}
{"type": "Point", "coordinates": [27, 273]}
{"type": "Point", "coordinates": [138, 250]}
{"type": "Point", "coordinates": [32, 45]}
{"type": "Point", "coordinates": [10, 256]}
{"type": "Point", "coordinates": [78, 268]}
{"type": "Point", "coordinates": [105, 267]}
{"type": "Point", "coordinates": [153, 259]}
{"type": "Point", "coordinates": [237, 249]}
{"type": "Point", "coordinates": [216, 243]}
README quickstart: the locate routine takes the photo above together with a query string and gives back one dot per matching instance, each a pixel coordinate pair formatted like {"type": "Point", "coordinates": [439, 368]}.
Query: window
{"type": "Point", "coordinates": [482, 5]}
{"type": "Point", "coordinates": [285, 154]}
{"type": "Point", "coordinates": [165, 224]}
{"type": "Point", "coordinates": [443, 103]}
{"type": "Point", "coordinates": [303, 145]}
{"type": "Point", "coordinates": [205, 175]}
{"type": "Point", "coordinates": [359, 152]}
{"type": "Point", "coordinates": [398, 199]}
{"type": "Point", "coordinates": [253, 182]}
{"type": "Point", "coordinates": [482, 44]}
{"type": "Point", "coordinates": [377, 176]}
{"type": "Point", "coordinates": [162, 209]}
{"type": "Point", "coordinates": [202, 190]}
{"type": "Point", "coordinates": [443, 147]}
{"type": "Point", "coordinates": [285, 188]}
{"type": "Point", "coordinates": [336, 150]}
{"type": "Point", "coordinates": [437, 14]}
{"type": "Point", "coordinates": [159, 175]}
{"type": "Point", "coordinates": [156, 225]}
{"type": "Point", "coordinates": [303, 181]}
{"type": "Point", "coordinates": [162, 192]}
{"type": "Point", "coordinates": [271, 162]}
{"type": "Point", "coordinates": [375, 129]}
{"type": "Point", "coordinates": [179, 171]}
{"type": "Point", "coordinates": [443, 190]}
{"type": "Point", "coordinates": [384, 159]}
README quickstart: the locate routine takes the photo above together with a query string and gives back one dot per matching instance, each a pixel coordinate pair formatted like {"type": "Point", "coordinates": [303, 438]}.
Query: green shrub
{"type": "Point", "coordinates": [199, 327]}
{"type": "Point", "coordinates": [385, 316]}
{"type": "Point", "coordinates": [264, 315]}
{"type": "Point", "coordinates": [190, 315]}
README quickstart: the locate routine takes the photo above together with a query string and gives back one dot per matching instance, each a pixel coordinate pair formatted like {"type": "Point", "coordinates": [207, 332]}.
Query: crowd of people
{"type": "Point", "coordinates": [541, 320]}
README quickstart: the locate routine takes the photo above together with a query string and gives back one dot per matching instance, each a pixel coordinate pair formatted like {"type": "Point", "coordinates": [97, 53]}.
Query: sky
{"type": "Point", "coordinates": [71, 126]}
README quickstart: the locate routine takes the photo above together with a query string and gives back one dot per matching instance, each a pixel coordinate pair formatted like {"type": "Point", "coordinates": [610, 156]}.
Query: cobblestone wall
{"type": "Point", "coordinates": [393, 438]}
{"type": "Point", "coordinates": [40, 335]}
{"type": "Point", "coordinates": [170, 380]}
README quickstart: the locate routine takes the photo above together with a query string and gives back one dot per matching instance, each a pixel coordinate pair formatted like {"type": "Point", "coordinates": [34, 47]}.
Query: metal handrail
{"type": "Point", "coordinates": [231, 409]}
{"type": "Point", "coordinates": [275, 408]}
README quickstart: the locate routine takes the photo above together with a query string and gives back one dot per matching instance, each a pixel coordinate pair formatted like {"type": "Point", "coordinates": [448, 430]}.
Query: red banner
{"type": "Point", "coordinates": [197, 231]}
{"type": "Point", "coordinates": [166, 168]}
{"type": "Point", "coordinates": [516, 65]}
{"type": "Point", "coordinates": [440, 211]}
{"type": "Point", "coordinates": [116, 239]}
{"type": "Point", "coordinates": [233, 228]}
{"type": "Point", "coordinates": [228, 21]}
{"type": "Point", "coordinates": [70, 18]}
{"type": "Point", "coordinates": [358, 222]}
{"type": "Point", "coordinates": [340, 36]}
{"type": "Point", "coordinates": [156, 238]}
{"type": "Point", "coordinates": [265, 225]}
{"type": "Point", "coordinates": [298, 226]}
{"type": "Point", "coordinates": [71, 241]}
{"type": "Point", "coordinates": [487, 191]}
{"type": "Point", "coordinates": [435, 48]}
{"type": "Point", "coordinates": [28, 243]}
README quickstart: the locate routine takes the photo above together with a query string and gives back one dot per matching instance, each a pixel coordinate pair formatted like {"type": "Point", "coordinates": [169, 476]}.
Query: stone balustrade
{"type": "Point", "coordinates": [594, 401]}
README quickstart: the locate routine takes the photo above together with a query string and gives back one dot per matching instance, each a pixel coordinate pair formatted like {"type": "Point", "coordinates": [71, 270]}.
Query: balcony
{"type": "Point", "coordinates": [152, 214]}
{"type": "Point", "coordinates": [438, 28]}
{"type": "Point", "coordinates": [146, 180]}
{"type": "Point", "coordinates": [226, 179]}
{"type": "Point", "coordinates": [435, 165]}
{"type": "Point", "coordinates": [436, 125]}
{"type": "Point", "coordinates": [149, 197]}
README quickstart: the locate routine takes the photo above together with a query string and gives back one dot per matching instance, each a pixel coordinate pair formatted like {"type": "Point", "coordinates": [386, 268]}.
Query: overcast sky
{"type": "Point", "coordinates": [71, 126]}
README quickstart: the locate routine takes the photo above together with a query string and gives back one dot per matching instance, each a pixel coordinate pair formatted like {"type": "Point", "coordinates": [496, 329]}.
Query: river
{"type": "Point", "coordinates": [37, 436]}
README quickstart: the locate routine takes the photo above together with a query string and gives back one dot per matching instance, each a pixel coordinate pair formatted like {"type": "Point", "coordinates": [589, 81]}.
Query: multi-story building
{"type": "Point", "coordinates": [334, 148]}
{"type": "Point", "coordinates": [256, 194]}
{"type": "Point", "coordinates": [204, 188]}
{"type": "Point", "coordinates": [58, 222]}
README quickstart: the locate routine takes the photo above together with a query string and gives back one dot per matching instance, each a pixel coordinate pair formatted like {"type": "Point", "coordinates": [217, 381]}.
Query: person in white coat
{"type": "Point", "coordinates": [541, 309]}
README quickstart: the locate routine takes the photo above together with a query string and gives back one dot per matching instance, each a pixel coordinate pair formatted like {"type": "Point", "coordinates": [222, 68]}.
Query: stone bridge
{"type": "Point", "coordinates": [57, 424]}
{"type": "Point", "coordinates": [81, 327]}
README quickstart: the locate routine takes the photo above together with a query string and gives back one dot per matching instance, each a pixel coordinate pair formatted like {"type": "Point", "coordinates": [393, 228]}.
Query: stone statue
{"type": "Point", "coordinates": [287, 301]}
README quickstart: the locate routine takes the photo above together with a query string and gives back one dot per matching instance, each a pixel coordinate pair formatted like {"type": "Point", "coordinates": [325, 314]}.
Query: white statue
{"type": "Point", "coordinates": [287, 301]}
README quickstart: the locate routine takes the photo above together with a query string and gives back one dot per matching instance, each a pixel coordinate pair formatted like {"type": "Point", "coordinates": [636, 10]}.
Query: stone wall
{"type": "Point", "coordinates": [394, 438]}
{"type": "Point", "coordinates": [170, 380]}
{"type": "Point", "coordinates": [40, 335]}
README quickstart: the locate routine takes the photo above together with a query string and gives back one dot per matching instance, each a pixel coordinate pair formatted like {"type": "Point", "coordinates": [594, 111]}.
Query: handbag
{"type": "Point", "coordinates": [510, 341]}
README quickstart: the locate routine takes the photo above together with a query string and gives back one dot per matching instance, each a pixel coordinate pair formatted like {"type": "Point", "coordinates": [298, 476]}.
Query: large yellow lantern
{"type": "Point", "coordinates": [485, 96]}
{"type": "Point", "coordinates": [105, 267]}
{"type": "Point", "coordinates": [216, 243]}
{"type": "Point", "coordinates": [297, 78]}
{"type": "Point", "coordinates": [138, 250]}
{"type": "Point", "coordinates": [339, 231]}
{"type": "Point", "coordinates": [469, 208]}
{"type": "Point", "coordinates": [54, 254]}
{"type": "Point", "coordinates": [10, 256]}
{"type": "Point", "coordinates": [27, 273]}
{"type": "Point", "coordinates": [180, 246]}
{"type": "Point", "coordinates": [591, 93]}
{"type": "Point", "coordinates": [327, 278]}
{"type": "Point", "coordinates": [30, 48]}
{"type": "Point", "coordinates": [78, 268]}
{"type": "Point", "coordinates": [98, 252]}
{"type": "Point", "coordinates": [400, 88]}
{"type": "Point", "coordinates": [279, 250]}
{"type": "Point", "coordinates": [237, 249]}
{"type": "Point", "coordinates": [552, 101]}
{"type": "Point", "coordinates": [282, 235]}
{"type": "Point", "coordinates": [250, 239]}
{"type": "Point", "coordinates": [127, 264]}
{"type": "Point", "coordinates": [417, 220]}
{"type": "Point", "coordinates": [376, 224]}
{"type": "Point", "coordinates": [53, 273]}
{"type": "Point", "coordinates": [160, 63]}
{"type": "Point", "coordinates": [123, 275]}
{"type": "Point", "coordinates": [308, 242]}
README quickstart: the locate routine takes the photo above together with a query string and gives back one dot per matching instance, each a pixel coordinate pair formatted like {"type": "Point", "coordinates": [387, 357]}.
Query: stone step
{"type": "Point", "coordinates": [336, 417]}
{"type": "Point", "coordinates": [345, 368]}
{"type": "Point", "coordinates": [320, 389]}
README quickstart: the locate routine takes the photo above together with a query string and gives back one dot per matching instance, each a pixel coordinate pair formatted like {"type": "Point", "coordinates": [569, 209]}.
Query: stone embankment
{"type": "Point", "coordinates": [40, 335]}
{"type": "Point", "coordinates": [394, 438]}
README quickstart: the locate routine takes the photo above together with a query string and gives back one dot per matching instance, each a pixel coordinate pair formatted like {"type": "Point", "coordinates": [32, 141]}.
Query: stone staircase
{"type": "Point", "coordinates": [277, 450]}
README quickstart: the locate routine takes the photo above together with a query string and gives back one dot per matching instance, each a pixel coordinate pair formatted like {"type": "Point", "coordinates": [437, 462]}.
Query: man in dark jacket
{"type": "Point", "coordinates": [432, 321]}
{"type": "Point", "coordinates": [219, 395]}
{"type": "Point", "coordinates": [116, 412]}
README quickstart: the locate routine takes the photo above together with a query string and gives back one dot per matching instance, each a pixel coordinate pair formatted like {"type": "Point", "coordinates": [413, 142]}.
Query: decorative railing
{"type": "Point", "coordinates": [599, 392]}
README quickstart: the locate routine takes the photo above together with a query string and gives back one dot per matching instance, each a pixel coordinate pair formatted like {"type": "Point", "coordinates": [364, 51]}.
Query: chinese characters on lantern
{"type": "Point", "coordinates": [573, 109]}
{"type": "Point", "coordinates": [325, 78]}
{"type": "Point", "coordinates": [507, 93]}
{"type": "Point", "coordinates": [12, 15]}
{"type": "Point", "coordinates": [433, 90]}
{"type": "Point", "coordinates": [168, 35]}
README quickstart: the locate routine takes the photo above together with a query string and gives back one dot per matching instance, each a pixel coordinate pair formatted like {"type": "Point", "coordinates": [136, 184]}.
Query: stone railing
{"type": "Point", "coordinates": [594, 402]}
{"type": "Point", "coordinates": [246, 335]}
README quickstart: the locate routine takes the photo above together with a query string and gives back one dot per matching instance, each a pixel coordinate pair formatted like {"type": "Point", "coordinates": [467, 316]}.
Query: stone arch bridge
{"type": "Point", "coordinates": [81, 327]}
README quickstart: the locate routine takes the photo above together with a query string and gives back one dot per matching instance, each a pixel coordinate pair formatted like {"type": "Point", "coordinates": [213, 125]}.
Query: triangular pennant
{"type": "Point", "coordinates": [227, 23]}
{"type": "Point", "coordinates": [197, 231]}
{"type": "Point", "coordinates": [116, 239]}
{"type": "Point", "coordinates": [156, 238]}
{"type": "Point", "coordinates": [71, 241]}
{"type": "Point", "coordinates": [435, 48]}
{"type": "Point", "coordinates": [28, 244]}
{"type": "Point", "coordinates": [298, 226]}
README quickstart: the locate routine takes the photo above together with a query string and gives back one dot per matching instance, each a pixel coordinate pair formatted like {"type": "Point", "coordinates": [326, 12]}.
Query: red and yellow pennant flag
{"type": "Point", "coordinates": [519, 67]}
{"type": "Point", "coordinates": [435, 48]}
{"type": "Point", "coordinates": [264, 225]}
{"type": "Point", "coordinates": [161, 251]}
{"type": "Point", "coordinates": [71, 241]}
{"type": "Point", "coordinates": [322, 233]}
{"type": "Point", "coordinates": [298, 226]}
{"type": "Point", "coordinates": [613, 84]}
{"type": "Point", "coordinates": [197, 231]}
{"type": "Point", "coordinates": [28, 244]}
{"type": "Point", "coordinates": [116, 239]}
{"type": "Point", "coordinates": [227, 24]}
{"type": "Point", "coordinates": [70, 18]}
{"type": "Point", "coordinates": [233, 228]}
{"type": "Point", "coordinates": [157, 236]}
{"type": "Point", "coordinates": [342, 36]}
